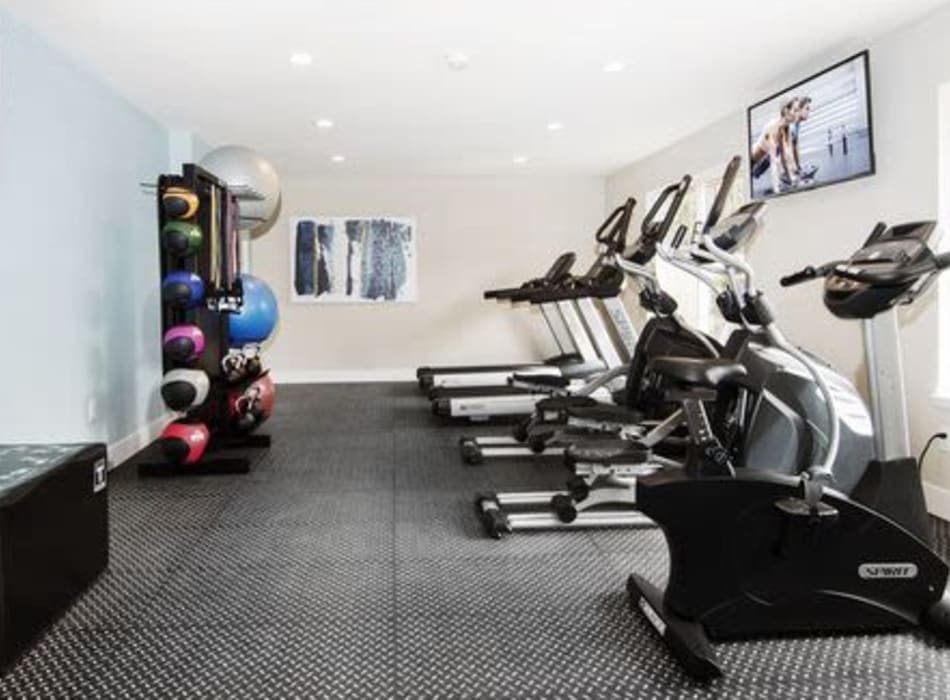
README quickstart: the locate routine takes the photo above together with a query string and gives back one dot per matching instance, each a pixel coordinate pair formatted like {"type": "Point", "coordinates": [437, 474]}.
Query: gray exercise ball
{"type": "Point", "coordinates": [240, 165]}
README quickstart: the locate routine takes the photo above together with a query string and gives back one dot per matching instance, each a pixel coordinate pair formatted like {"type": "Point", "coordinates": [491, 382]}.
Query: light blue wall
{"type": "Point", "coordinates": [184, 146]}
{"type": "Point", "coordinates": [79, 260]}
{"type": "Point", "coordinates": [200, 147]}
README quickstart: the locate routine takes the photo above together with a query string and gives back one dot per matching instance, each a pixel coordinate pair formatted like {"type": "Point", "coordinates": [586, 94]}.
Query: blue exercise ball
{"type": "Point", "coordinates": [258, 315]}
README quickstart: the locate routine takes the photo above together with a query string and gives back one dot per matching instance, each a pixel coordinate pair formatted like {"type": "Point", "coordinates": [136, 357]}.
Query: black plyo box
{"type": "Point", "coordinates": [54, 535]}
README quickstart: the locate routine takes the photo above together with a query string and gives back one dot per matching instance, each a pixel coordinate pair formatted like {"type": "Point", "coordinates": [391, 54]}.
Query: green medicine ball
{"type": "Point", "coordinates": [181, 238]}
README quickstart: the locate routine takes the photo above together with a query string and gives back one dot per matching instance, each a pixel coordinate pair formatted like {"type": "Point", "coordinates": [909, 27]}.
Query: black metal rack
{"type": "Point", "coordinates": [217, 262]}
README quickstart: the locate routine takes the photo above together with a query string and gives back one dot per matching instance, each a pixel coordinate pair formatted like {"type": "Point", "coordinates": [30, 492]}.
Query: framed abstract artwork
{"type": "Point", "coordinates": [353, 259]}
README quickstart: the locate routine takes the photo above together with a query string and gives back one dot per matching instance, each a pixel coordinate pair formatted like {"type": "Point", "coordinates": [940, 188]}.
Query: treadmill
{"type": "Point", "coordinates": [577, 357]}
{"type": "Point", "coordinates": [601, 348]}
{"type": "Point", "coordinates": [473, 375]}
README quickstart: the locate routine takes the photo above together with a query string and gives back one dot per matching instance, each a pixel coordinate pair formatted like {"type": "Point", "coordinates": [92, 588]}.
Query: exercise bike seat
{"type": "Point", "coordinates": [545, 381]}
{"type": "Point", "coordinates": [698, 372]}
{"type": "Point", "coordinates": [603, 413]}
{"type": "Point", "coordinates": [616, 451]}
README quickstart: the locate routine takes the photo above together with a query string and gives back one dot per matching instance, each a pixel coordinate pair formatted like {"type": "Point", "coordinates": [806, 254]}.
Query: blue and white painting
{"type": "Point", "coordinates": [344, 259]}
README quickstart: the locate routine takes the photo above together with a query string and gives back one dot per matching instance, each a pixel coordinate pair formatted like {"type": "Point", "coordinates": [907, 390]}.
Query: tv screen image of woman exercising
{"type": "Point", "coordinates": [815, 133]}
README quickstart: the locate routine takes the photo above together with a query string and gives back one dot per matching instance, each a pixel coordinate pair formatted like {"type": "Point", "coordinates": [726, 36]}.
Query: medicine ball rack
{"type": "Point", "coordinates": [217, 262]}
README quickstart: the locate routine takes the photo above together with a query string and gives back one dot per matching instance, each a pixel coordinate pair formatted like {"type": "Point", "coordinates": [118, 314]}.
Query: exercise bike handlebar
{"type": "Point", "coordinates": [807, 274]}
{"type": "Point", "coordinates": [881, 278]}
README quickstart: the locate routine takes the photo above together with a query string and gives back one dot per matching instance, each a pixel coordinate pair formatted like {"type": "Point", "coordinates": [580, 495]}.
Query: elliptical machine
{"type": "Point", "coordinates": [757, 553]}
{"type": "Point", "coordinates": [527, 443]}
{"type": "Point", "coordinates": [766, 421]}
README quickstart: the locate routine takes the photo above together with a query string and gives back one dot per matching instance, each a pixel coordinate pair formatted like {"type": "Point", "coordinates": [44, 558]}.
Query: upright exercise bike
{"type": "Point", "coordinates": [756, 553]}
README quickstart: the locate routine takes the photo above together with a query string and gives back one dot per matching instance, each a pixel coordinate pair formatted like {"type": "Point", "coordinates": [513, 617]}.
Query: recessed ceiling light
{"type": "Point", "coordinates": [324, 123]}
{"type": "Point", "coordinates": [338, 159]}
{"type": "Point", "coordinates": [519, 160]}
{"type": "Point", "coordinates": [555, 126]}
{"type": "Point", "coordinates": [456, 60]}
{"type": "Point", "coordinates": [614, 66]}
{"type": "Point", "coordinates": [301, 58]}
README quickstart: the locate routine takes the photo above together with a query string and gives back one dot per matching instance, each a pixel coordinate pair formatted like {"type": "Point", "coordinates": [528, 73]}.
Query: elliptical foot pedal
{"type": "Point", "coordinates": [470, 450]}
{"type": "Point", "coordinates": [578, 488]}
{"type": "Point", "coordinates": [686, 640]}
{"type": "Point", "coordinates": [565, 507]}
{"type": "Point", "coordinates": [494, 521]}
{"type": "Point", "coordinates": [522, 429]}
{"type": "Point", "coordinates": [538, 441]}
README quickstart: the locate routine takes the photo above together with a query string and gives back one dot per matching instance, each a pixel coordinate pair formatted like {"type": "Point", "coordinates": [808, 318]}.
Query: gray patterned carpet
{"type": "Point", "coordinates": [350, 564]}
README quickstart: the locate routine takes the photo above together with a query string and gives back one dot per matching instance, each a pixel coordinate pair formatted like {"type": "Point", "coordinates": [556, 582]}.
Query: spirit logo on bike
{"type": "Point", "coordinates": [887, 570]}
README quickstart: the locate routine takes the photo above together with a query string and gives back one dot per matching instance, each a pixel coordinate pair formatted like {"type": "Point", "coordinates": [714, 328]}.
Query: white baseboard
{"type": "Point", "coordinates": [938, 500]}
{"type": "Point", "coordinates": [122, 449]}
{"type": "Point", "coordinates": [344, 375]}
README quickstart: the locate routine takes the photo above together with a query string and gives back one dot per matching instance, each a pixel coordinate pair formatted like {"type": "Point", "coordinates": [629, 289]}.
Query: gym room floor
{"type": "Point", "coordinates": [350, 563]}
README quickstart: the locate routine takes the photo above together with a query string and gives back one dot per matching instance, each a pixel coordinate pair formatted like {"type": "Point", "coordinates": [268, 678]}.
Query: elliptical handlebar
{"type": "Point", "coordinates": [679, 236]}
{"type": "Point", "coordinates": [618, 223]}
{"type": "Point", "coordinates": [653, 230]}
{"type": "Point", "coordinates": [725, 186]}
{"type": "Point", "coordinates": [657, 230]}
{"type": "Point", "coordinates": [733, 264]}
{"type": "Point", "coordinates": [696, 261]}
{"type": "Point", "coordinates": [639, 271]}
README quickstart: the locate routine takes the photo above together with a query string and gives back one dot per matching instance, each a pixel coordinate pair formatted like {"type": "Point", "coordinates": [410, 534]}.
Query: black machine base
{"type": "Point", "coordinates": [686, 639]}
{"type": "Point", "coordinates": [755, 566]}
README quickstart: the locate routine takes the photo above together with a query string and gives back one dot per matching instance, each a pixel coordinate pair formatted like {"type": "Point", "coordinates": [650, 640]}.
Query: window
{"type": "Point", "coordinates": [942, 390]}
{"type": "Point", "coordinates": [696, 302]}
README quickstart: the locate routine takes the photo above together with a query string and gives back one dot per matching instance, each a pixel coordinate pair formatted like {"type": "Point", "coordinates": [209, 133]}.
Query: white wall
{"type": "Point", "coordinates": [907, 69]}
{"type": "Point", "coordinates": [473, 233]}
{"type": "Point", "coordinates": [79, 267]}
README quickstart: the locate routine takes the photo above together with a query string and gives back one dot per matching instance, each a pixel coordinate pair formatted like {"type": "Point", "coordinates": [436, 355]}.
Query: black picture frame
{"type": "Point", "coordinates": [865, 56]}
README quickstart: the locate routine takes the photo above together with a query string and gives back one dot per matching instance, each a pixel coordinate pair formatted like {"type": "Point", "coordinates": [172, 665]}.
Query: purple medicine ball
{"type": "Point", "coordinates": [183, 343]}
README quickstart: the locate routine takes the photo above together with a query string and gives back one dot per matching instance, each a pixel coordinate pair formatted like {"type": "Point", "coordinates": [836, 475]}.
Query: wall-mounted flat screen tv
{"type": "Point", "coordinates": [814, 133]}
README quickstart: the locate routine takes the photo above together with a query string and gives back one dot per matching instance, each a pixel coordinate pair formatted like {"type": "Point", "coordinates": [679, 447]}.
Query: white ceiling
{"type": "Point", "coordinates": [221, 67]}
